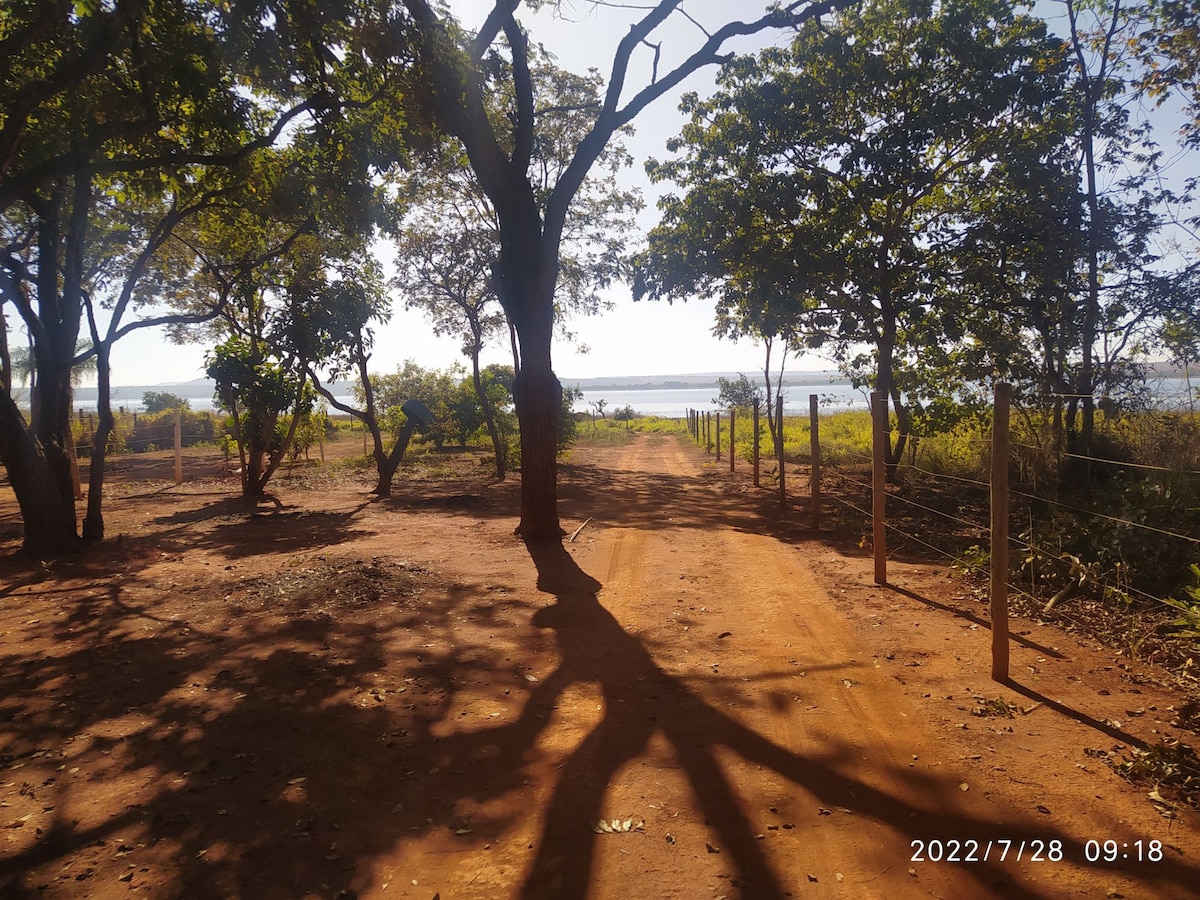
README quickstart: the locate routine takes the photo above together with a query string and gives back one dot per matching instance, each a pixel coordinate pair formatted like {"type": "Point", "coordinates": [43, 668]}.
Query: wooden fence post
{"type": "Point", "coordinates": [879, 441]}
{"type": "Point", "coordinates": [779, 448]}
{"type": "Point", "coordinates": [718, 436]}
{"type": "Point", "coordinates": [815, 478]}
{"type": "Point", "coordinates": [708, 434]}
{"type": "Point", "coordinates": [178, 446]}
{"type": "Point", "coordinates": [756, 441]}
{"type": "Point", "coordinates": [732, 438]}
{"type": "Point", "coordinates": [999, 533]}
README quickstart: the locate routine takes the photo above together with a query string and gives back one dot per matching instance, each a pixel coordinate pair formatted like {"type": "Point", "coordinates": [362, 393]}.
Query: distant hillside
{"type": "Point", "coordinates": [202, 388]}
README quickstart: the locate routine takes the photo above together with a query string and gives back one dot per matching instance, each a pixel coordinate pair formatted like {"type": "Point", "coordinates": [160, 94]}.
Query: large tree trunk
{"type": "Point", "coordinates": [539, 402]}
{"type": "Point", "coordinates": [530, 277]}
{"type": "Point", "coordinates": [47, 510]}
{"type": "Point", "coordinates": [36, 456]}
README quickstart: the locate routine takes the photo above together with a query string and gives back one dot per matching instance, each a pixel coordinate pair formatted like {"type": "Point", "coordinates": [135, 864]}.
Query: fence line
{"type": "Point", "coordinates": [1100, 515]}
{"type": "Point", "coordinates": [1110, 462]}
{"type": "Point", "coordinates": [1000, 539]}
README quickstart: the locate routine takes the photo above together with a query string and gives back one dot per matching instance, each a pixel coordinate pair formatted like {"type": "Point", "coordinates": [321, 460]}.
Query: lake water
{"type": "Point", "coordinates": [674, 404]}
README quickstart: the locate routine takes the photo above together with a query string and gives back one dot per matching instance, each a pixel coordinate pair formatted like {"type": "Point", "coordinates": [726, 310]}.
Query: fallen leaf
{"type": "Point", "coordinates": [710, 848]}
{"type": "Point", "coordinates": [724, 634]}
{"type": "Point", "coordinates": [812, 877]}
{"type": "Point", "coordinates": [964, 787]}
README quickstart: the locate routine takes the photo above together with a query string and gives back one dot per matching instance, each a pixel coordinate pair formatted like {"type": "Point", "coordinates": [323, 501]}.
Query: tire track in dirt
{"type": "Point", "coordinates": [794, 700]}
{"type": "Point", "coordinates": [821, 765]}
{"type": "Point", "coordinates": [708, 690]}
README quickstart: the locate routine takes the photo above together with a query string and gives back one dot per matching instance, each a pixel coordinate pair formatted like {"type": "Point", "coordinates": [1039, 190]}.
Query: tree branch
{"type": "Point", "coordinates": [613, 116]}
{"type": "Point", "coordinates": [523, 89]}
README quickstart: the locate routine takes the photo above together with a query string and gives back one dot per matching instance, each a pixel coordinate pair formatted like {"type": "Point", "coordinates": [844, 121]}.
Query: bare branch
{"type": "Point", "coordinates": [657, 48]}
{"type": "Point", "coordinates": [613, 116]}
{"type": "Point", "coordinates": [495, 22]}
{"type": "Point", "coordinates": [523, 89]}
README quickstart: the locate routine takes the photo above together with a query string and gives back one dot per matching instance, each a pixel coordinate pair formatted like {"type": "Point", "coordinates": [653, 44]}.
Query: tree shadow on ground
{"type": "Point", "coordinates": [255, 752]}
{"type": "Point", "coordinates": [288, 750]}
{"type": "Point", "coordinates": [595, 649]}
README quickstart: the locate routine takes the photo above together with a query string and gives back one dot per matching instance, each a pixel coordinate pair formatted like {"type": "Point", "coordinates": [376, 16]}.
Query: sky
{"type": "Point", "coordinates": [642, 338]}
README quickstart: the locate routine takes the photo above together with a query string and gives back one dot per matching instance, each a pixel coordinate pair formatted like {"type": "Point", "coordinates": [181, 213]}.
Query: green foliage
{"type": "Point", "coordinates": [142, 432]}
{"type": "Point", "coordinates": [1188, 622]}
{"type": "Point", "coordinates": [826, 187]}
{"type": "Point", "coordinates": [737, 393]}
{"type": "Point", "coordinates": [439, 390]}
{"type": "Point", "coordinates": [311, 430]}
{"type": "Point", "coordinates": [158, 401]}
{"type": "Point", "coordinates": [603, 433]}
{"type": "Point", "coordinates": [624, 413]}
{"type": "Point", "coordinates": [568, 424]}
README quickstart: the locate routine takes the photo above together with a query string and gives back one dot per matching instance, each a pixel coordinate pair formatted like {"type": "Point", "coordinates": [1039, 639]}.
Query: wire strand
{"type": "Point", "coordinates": [937, 512]}
{"type": "Point", "coordinates": [957, 478]}
{"type": "Point", "coordinates": [1109, 462]}
{"type": "Point", "coordinates": [1100, 515]}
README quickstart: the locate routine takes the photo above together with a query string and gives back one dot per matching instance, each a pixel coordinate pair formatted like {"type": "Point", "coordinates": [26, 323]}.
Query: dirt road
{"type": "Point", "coordinates": [695, 699]}
{"type": "Point", "coordinates": [708, 686]}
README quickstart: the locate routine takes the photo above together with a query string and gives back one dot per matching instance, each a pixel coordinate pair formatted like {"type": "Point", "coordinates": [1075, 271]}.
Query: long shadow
{"type": "Point", "coordinates": [596, 649]}
{"type": "Point", "coordinates": [1080, 717]}
{"type": "Point", "coordinates": [977, 620]}
{"type": "Point", "coordinates": [257, 761]}
{"type": "Point", "coordinates": [240, 756]}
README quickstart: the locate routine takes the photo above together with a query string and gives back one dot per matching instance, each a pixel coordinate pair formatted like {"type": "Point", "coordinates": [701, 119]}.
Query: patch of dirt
{"type": "Point", "coordinates": [328, 694]}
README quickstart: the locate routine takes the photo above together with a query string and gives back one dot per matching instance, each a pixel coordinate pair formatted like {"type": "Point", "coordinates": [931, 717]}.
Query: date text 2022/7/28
{"type": "Point", "coordinates": [969, 850]}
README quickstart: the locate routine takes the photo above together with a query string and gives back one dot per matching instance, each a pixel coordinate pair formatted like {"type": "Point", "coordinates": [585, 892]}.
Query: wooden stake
{"type": "Point", "coordinates": [178, 446]}
{"type": "Point", "coordinates": [756, 442]}
{"type": "Point", "coordinates": [999, 535]}
{"type": "Point", "coordinates": [718, 437]}
{"type": "Point", "coordinates": [732, 454]}
{"type": "Point", "coordinates": [779, 449]}
{"type": "Point", "coordinates": [815, 478]}
{"type": "Point", "coordinates": [879, 440]}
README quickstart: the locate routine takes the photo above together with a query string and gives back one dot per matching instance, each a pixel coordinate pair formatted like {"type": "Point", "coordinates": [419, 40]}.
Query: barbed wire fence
{"type": "Point", "coordinates": [980, 527]}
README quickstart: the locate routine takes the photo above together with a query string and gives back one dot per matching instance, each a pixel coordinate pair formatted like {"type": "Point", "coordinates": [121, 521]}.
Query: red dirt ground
{"type": "Point", "coordinates": [334, 696]}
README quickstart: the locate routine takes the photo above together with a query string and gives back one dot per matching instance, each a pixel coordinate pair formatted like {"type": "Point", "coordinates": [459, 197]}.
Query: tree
{"type": "Point", "coordinates": [97, 94]}
{"type": "Point", "coordinates": [531, 223]}
{"type": "Point", "coordinates": [825, 182]}
{"type": "Point", "coordinates": [448, 272]}
{"type": "Point", "coordinates": [161, 401]}
{"type": "Point", "coordinates": [736, 393]}
{"type": "Point", "coordinates": [1169, 48]}
{"type": "Point", "coordinates": [256, 391]}
{"type": "Point", "coordinates": [337, 325]}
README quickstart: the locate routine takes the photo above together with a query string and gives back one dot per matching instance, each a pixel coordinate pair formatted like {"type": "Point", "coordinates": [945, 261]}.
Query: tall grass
{"type": "Point", "coordinates": [611, 432]}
